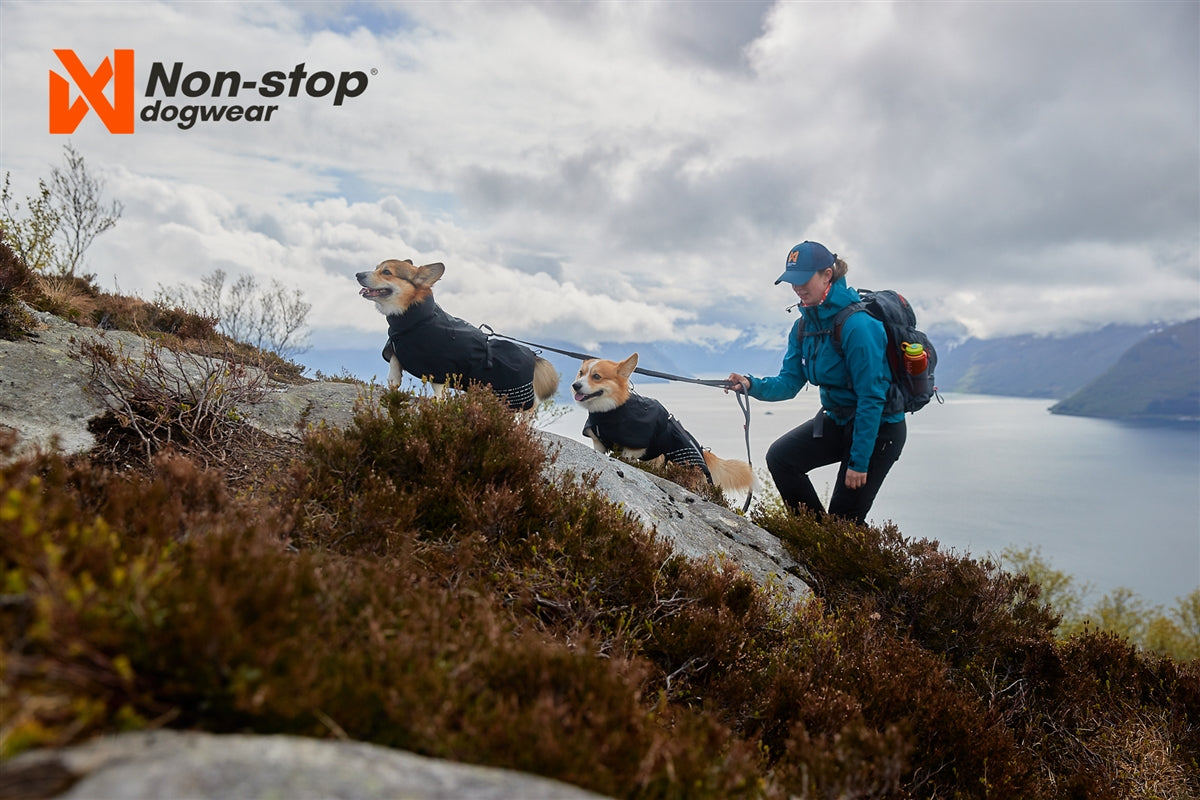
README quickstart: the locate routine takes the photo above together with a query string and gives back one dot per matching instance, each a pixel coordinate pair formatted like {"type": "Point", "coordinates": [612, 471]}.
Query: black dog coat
{"type": "Point", "coordinates": [645, 422]}
{"type": "Point", "coordinates": [432, 344]}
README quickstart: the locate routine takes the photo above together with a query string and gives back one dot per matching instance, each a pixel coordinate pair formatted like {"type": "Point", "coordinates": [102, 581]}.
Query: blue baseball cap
{"type": "Point", "coordinates": [803, 261]}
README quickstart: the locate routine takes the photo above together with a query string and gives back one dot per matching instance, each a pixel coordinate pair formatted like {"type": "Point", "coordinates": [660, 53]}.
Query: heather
{"type": "Point", "coordinates": [414, 580]}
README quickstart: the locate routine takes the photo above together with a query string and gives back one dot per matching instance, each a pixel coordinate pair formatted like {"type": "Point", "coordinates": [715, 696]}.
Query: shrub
{"type": "Point", "coordinates": [967, 610]}
{"type": "Point", "coordinates": [1061, 702]}
{"type": "Point", "coordinates": [413, 580]}
{"type": "Point", "coordinates": [16, 284]}
{"type": "Point", "coordinates": [162, 399]}
{"type": "Point", "coordinates": [198, 615]}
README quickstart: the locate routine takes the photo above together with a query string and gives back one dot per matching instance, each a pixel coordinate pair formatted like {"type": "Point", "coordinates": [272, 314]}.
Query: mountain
{"type": "Point", "coordinates": [1053, 366]}
{"type": "Point", "coordinates": [1034, 366]}
{"type": "Point", "coordinates": [1156, 379]}
{"type": "Point", "coordinates": [686, 359]}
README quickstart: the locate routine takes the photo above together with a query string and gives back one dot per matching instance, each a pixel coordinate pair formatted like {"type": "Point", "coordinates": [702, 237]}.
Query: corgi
{"type": "Point", "coordinates": [642, 428]}
{"type": "Point", "coordinates": [426, 342]}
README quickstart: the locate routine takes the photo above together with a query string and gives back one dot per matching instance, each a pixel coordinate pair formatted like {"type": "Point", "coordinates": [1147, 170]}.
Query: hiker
{"type": "Point", "coordinates": [851, 426]}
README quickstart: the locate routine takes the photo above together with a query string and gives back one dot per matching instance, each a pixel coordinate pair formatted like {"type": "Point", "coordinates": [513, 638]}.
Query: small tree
{"type": "Point", "coordinates": [271, 320]}
{"type": "Point", "coordinates": [61, 221]}
{"type": "Point", "coordinates": [30, 234]}
{"type": "Point", "coordinates": [1059, 590]}
{"type": "Point", "coordinates": [82, 216]}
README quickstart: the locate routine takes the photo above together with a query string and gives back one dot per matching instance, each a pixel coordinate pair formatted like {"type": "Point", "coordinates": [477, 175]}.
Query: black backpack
{"type": "Point", "coordinates": [909, 393]}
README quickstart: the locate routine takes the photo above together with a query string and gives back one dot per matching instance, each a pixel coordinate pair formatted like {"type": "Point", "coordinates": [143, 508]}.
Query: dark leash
{"type": "Point", "coordinates": [743, 399]}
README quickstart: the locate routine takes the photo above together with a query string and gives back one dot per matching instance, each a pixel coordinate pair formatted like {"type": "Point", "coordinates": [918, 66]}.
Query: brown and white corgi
{"type": "Point", "coordinates": [642, 428]}
{"type": "Point", "coordinates": [426, 342]}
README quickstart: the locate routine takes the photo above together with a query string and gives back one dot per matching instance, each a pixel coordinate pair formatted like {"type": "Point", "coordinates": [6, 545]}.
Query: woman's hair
{"type": "Point", "coordinates": [840, 268]}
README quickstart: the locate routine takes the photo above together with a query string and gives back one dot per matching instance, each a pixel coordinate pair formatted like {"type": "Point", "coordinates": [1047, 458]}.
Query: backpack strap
{"type": "Point", "coordinates": [840, 320]}
{"type": "Point", "coordinates": [835, 327]}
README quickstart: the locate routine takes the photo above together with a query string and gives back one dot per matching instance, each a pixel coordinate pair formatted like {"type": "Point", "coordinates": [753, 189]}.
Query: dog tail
{"type": "Point", "coordinates": [545, 379]}
{"type": "Point", "coordinates": [730, 475]}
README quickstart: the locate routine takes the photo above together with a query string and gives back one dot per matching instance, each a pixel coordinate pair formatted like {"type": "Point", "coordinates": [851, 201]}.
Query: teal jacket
{"type": "Point", "coordinates": [853, 385]}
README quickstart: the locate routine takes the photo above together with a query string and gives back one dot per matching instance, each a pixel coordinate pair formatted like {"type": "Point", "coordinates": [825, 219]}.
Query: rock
{"type": "Point", "coordinates": [152, 765]}
{"type": "Point", "coordinates": [42, 393]}
{"type": "Point", "coordinates": [41, 384]}
{"type": "Point", "coordinates": [286, 409]}
{"type": "Point", "coordinates": [696, 527]}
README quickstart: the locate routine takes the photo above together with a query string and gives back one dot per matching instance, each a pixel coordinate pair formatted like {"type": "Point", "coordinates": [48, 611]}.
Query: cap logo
{"type": "Point", "coordinates": [792, 256]}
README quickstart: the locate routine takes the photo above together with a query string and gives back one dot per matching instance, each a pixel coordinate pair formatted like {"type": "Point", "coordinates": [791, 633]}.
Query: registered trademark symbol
{"type": "Point", "coordinates": [374, 71]}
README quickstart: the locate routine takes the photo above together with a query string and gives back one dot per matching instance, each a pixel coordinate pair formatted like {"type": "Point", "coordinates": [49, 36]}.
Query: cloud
{"type": "Point", "coordinates": [637, 171]}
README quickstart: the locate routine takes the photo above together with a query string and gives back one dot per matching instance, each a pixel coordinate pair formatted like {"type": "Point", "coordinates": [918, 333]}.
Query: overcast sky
{"type": "Point", "coordinates": [635, 171]}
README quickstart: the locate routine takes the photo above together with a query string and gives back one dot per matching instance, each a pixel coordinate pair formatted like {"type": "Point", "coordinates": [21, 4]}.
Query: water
{"type": "Point", "coordinates": [1112, 504]}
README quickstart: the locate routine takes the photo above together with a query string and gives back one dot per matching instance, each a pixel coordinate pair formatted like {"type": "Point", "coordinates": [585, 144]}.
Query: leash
{"type": "Point", "coordinates": [743, 399]}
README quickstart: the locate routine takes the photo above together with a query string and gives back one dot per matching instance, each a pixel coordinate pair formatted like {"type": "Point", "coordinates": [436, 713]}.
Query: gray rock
{"type": "Point", "coordinates": [154, 765]}
{"type": "Point", "coordinates": [696, 527]}
{"type": "Point", "coordinates": [42, 394]}
{"type": "Point", "coordinates": [285, 410]}
{"type": "Point", "coordinates": [41, 384]}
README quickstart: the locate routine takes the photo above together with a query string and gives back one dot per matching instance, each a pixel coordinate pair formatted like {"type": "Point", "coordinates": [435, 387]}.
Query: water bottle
{"type": "Point", "coordinates": [916, 360]}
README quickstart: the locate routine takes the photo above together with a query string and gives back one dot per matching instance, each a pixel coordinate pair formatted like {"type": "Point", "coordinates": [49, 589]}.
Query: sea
{"type": "Point", "coordinates": [1111, 504]}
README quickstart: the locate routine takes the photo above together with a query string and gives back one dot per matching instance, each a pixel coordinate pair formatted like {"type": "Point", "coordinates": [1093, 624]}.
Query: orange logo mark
{"type": "Point", "coordinates": [792, 256]}
{"type": "Point", "coordinates": [117, 115]}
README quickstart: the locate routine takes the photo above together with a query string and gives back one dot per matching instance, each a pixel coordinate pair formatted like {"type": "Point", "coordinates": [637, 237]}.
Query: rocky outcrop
{"type": "Point", "coordinates": [154, 765]}
{"type": "Point", "coordinates": [696, 527]}
{"type": "Point", "coordinates": [42, 383]}
{"type": "Point", "coordinates": [43, 395]}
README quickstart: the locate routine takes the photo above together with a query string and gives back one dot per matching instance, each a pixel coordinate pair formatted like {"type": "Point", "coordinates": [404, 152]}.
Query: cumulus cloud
{"type": "Point", "coordinates": [636, 171]}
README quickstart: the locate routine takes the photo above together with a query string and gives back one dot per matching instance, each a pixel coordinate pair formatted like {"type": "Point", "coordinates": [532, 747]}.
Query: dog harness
{"type": "Point", "coordinates": [645, 422]}
{"type": "Point", "coordinates": [432, 344]}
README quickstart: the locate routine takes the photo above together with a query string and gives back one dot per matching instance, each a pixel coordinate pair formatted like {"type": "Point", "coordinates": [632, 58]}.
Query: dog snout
{"type": "Point", "coordinates": [577, 385]}
{"type": "Point", "coordinates": [361, 276]}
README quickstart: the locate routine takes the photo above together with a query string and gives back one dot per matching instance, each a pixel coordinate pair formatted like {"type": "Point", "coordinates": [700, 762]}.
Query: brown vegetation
{"type": "Point", "coordinates": [16, 283]}
{"type": "Point", "coordinates": [78, 299]}
{"type": "Point", "coordinates": [415, 581]}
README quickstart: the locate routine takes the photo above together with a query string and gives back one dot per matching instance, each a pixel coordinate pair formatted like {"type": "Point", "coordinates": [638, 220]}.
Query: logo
{"type": "Point", "coordinates": [119, 114]}
{"type": "Point", "coordinates": [116, 115]}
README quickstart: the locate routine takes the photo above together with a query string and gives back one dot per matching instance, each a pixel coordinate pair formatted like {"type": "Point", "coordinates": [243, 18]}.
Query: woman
{"type": "Point", "coordinates": [852, 426]}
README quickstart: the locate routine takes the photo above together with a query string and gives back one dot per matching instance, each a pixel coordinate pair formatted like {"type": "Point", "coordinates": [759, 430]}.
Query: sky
{"type": "Point", "coordinates": [608, 172]}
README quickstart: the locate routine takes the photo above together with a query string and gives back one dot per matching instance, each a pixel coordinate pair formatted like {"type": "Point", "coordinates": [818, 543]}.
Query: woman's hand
{"type": "Point", "coordinates": [854, 479]}
{"type": "Point", "coordinates": [739, 383]}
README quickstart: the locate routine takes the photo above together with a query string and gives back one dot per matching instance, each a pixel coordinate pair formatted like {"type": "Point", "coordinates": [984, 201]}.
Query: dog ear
{"type": "Point", "coordinates": [626, 367]}
{"type": "Point", "coordinates": [429, 274]}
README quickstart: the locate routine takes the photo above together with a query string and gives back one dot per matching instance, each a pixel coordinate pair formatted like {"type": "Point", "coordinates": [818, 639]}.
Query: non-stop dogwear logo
{"type": "Point", "coordinates": [119, 113]}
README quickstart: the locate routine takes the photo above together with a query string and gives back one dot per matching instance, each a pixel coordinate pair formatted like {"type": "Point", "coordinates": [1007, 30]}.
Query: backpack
{"type": "Point", "coordinates": [908, 393]}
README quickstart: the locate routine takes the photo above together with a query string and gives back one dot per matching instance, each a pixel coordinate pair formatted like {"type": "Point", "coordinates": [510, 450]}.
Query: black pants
{"type": "Point", "coordinates": [795, 453]}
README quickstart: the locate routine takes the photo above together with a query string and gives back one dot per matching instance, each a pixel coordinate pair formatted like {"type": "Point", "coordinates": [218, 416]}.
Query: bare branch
{"type": "Point", "coordinates": [75, 195]}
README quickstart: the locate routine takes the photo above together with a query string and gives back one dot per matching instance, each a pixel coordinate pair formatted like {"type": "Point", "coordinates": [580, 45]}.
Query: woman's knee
{"type": "Point", "coordinates": [778, 457]}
